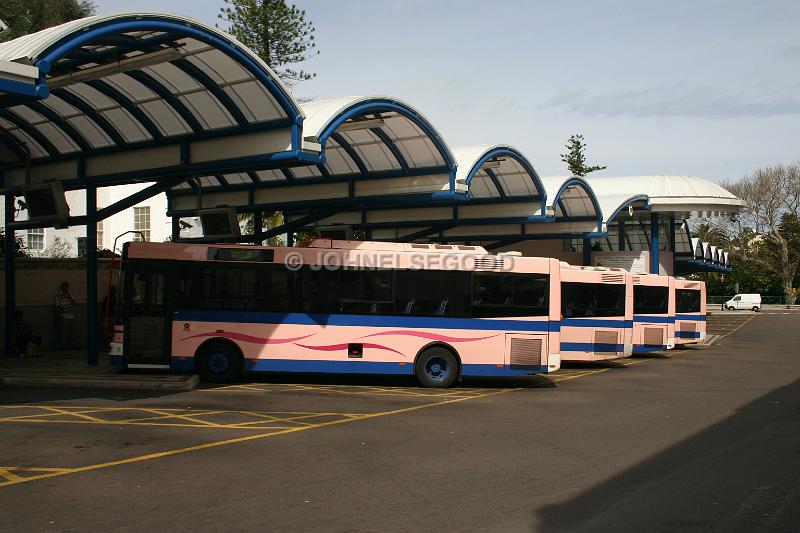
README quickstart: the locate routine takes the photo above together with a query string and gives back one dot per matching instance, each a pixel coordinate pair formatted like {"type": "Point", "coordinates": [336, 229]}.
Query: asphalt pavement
{"type": "Point", "coordinates": [697, 440]}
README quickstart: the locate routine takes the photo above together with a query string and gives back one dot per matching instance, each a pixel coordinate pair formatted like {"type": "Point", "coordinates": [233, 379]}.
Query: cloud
{"type": "Point", "coordinates": [677, 100]}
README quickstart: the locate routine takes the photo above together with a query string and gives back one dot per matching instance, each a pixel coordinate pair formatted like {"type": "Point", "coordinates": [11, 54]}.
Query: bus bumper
{"type": "Point", "coordinates": [553, 362]}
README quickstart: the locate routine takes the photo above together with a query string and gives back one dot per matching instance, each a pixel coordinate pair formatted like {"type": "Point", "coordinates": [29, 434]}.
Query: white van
{"type": "Point", "coordinates": [744, 301]}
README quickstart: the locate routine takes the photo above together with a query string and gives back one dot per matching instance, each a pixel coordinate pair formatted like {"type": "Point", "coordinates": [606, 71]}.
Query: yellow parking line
{"type": "Point", "coordinates": [9, 477]}
{"type": "Point", "coordinates": [738, 327]}
{"type": "Point", "coordinates": [237, 440]}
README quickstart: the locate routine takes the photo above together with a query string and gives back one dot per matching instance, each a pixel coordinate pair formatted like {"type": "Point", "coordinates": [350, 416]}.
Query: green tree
{"type": "Point", "coordinates": [29, 16]}
{"type": "Point", "coordinates": [278, 32]}
{"type": "Point", "coordinates": [772, 211]}
{"type": "Point", "coordinates": [19, 246]}
{"type": "Point", "coordinates": [575, 157]}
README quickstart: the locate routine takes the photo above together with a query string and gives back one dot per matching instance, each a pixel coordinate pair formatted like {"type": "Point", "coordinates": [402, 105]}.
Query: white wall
{"type": "Point", "coordinates": [160, 225]}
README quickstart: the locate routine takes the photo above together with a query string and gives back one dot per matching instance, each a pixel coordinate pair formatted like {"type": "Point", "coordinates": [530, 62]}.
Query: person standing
{"type": "Point", "coordinates": [65, 310]}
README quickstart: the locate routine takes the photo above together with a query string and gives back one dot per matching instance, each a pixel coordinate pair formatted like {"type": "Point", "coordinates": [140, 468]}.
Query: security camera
{"type": "Point", "coordinates": [3, 26]}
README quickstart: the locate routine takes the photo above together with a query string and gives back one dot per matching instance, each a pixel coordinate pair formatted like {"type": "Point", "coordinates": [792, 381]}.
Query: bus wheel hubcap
{"type": "Point", "coordinates": [218, 362]}
{"type": "Point", "coordinates": [437, 369]}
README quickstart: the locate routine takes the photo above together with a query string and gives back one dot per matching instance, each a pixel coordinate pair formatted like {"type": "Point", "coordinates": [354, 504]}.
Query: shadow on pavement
{"type": "Point", "coordinates": [740, 474]}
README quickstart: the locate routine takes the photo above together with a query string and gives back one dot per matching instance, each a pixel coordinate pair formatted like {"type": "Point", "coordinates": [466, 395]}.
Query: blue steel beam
{"type": "Point", "coordinates": [398, 155]}
{"type": "Point", "coordinates": [166, 95]}
{"type": "Point", "coordinates": [64, 125]}
{"type": "Point", "coordinates": [654, 244]}
{"type": "Point", "coordinates": [32, 132]}
{"type": "Point", "coordinates": [128, 106]}
{"type": "Point", "coordinates": [211, 86]}
{"type": "Point", "coordinates": [350, 152]}
{"type": "Point", "coordinates": [493, 177]}
{"type": "Point", "coordinates": [91, 113]}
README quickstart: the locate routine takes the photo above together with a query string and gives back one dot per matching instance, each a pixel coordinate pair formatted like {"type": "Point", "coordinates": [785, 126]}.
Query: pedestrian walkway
{"type": "Point", "coordinates": [69, 370]}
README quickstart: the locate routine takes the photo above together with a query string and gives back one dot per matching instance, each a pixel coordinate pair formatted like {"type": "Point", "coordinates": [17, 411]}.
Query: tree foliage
{"type": "Point", "coordinates": [19, 245]}
{"type": "Point", "coordinates": [575, 157]}
{"type": "Point", "coordinates": [278, 32]}
{"type": "Point", "coordinates": [29, 16]}
{"type": "Point", "coordinates": [768, 227]}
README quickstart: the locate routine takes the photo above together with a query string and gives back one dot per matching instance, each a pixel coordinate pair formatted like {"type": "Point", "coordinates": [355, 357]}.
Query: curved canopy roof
{"type": "Point", "coordinates": [374, 148]}
{"type": "Point", "coordinates": [662, 193]}
{"type": "Point", "coordinates": [133, 96]}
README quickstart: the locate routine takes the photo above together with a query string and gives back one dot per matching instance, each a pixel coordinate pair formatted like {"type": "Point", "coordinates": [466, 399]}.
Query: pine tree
{"type": "Point", "coordinates": [278, 32]}
{"type": "Point", "coordinates": [29, 16]}
{"type": "Point", "coordinates": [575, 158]}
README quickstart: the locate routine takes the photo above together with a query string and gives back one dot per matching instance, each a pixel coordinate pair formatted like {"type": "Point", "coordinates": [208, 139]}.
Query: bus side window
{"type": "Point", "coordinates": [432, 293]}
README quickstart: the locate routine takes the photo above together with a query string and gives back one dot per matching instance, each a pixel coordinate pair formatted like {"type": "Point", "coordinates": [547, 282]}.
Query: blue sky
{"type": "Point", "coordinates": [708, 88]}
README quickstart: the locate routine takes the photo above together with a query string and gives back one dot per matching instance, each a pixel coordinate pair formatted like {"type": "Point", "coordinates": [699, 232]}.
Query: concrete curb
{"type": "Point", "coordinates": [71, 382]}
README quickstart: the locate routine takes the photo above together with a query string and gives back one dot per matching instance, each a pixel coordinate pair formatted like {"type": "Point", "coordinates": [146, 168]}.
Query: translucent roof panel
{"type": "Point", "coordinates": [497, 171]}
{"type": "Point", "coordinates": [144, 78]}
{"type": "Point", "coordinates": [570, 198]}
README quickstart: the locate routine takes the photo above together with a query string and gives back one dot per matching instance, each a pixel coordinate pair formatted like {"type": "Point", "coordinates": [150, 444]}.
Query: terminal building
{"type": "Point", "coordinates": [176, 110]}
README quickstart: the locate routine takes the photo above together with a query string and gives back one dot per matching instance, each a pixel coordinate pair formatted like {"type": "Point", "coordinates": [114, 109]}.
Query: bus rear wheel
{"type": "Point", "coordinates": [219, 362]}
{"type": "Point", "coordinates": [437, 368]}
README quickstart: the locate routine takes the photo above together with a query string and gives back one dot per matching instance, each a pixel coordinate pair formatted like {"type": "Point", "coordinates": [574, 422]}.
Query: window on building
{"type": "Point", "coordinates": [35, 239]}
{"type": "Point", "coordinates": [141, 222]}
{"type": "Point", "coordinates": [100, 234]}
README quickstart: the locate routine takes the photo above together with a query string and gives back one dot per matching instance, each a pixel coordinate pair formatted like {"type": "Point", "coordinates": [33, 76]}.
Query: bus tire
{"type": "Point", "coordinates": [437, 367]}
{"type": "Point", "coordinates": [219, 362]}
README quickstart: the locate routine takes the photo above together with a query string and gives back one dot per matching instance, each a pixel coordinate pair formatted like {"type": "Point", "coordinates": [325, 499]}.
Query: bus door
{"type": "Point", "coordinates": [148, 309]}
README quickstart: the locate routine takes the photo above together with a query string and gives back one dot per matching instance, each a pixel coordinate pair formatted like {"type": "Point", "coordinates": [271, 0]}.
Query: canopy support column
{"type": "Point", "coordinates": [10, 252]}
{"type": "Point", "coordinates": [176, 228]}
{"type": "Point", "coordinates": [620, 235]}
{"type": "Point", "coordinates": [587, 252]}
{"type": "Point", "coordinates": [91, 274]}
{"type": "Point", "coordinates": [672, 239]}
{"type": "Point", "coordinates": [258, 227]}
{"type": "Point", "coordinates": [654, 244]}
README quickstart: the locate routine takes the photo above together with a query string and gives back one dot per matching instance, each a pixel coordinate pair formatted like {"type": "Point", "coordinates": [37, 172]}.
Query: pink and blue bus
{"type": "Point", "coordinates": [597, 313]}
{"type": "Point", "coordinates": [653, 313]}
{"type": "Point", "coordinates": [439, 312]}
{"type": "Point", "coordinates": [690, 311]}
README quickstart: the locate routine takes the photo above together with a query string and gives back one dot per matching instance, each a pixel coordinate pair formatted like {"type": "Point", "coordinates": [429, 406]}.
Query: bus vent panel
{"type": "Point", "coordinates": [604, 338]}
{"type": "Point", "coordinates": [526, 351]}
{"type": "Point", "coordinates": [654, 336]}
{"type": "Point", "coordinates": [613, 278]}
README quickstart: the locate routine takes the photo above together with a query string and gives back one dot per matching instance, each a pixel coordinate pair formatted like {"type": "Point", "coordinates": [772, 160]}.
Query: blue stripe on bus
{"type": "Point", "coordinates": [649, 347]}
{"type": "Point", "coordinates": [699, 318]}
{"type": "Point", "coordinates": [596, 323]}
{"type": "Point", "coordinates": [377, 367]}
{"type": "Point", "coordinates": [364, 320]}
{"type": "Point", "coordinates": [653, 319]}
{"type": "Point", "coordinates": [591, 347]}
{"type": "Point", "coordinates": [687, 334]}
{"type": "Point", "coordinates": [116, 360]}
{"type": "Point", "coordinates": [341, 367]}
{"type": "Point", "coordinates": [182, 363]}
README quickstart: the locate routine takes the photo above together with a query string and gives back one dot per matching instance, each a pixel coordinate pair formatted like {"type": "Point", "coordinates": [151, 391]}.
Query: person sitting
{"type": "Point", "coordinates": [26, 343]}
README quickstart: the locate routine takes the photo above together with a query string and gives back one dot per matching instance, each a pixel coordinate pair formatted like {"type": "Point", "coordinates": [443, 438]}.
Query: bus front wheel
{"type": "Point", "coordinates": [437, 367]}
{"type": "Point", "coordinates": [219, 362]}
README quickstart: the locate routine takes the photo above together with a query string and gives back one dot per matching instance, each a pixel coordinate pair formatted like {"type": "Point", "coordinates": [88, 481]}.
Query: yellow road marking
{"type": "Point", "coordinates": [237, 440]}
{"type": "Point", "coordinates": [9, 477]}
{"type": "Point", "coordinates": [738, 327]}
{"type": "Point", "coordinates": [266, 419]}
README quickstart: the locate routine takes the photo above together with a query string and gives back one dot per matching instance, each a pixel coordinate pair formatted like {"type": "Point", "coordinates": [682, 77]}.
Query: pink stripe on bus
{"type": "Point", "coordinates": [431, 336]}
{"type": "Point", "coordinates": [247, 338]}
{"type": "Point", "coordinates": [334, 347]}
